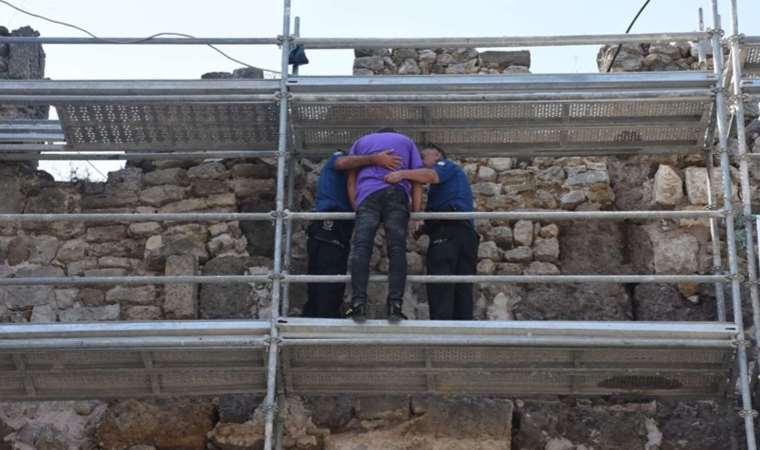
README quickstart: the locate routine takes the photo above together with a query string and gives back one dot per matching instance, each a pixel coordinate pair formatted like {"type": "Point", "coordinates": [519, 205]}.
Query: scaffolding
{"type": "Point", "coordinates": [296, 116]}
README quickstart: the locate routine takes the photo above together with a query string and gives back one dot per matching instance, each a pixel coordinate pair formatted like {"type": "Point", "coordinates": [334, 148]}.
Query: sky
{"type": "Point", "coordinates": [332, 18]}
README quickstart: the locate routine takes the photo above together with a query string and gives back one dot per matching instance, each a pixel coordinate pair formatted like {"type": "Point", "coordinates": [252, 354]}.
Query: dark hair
{"type": "Point", "coordinates": [386, 130]}
{"type": "Point", "coordinates": [434, 146]}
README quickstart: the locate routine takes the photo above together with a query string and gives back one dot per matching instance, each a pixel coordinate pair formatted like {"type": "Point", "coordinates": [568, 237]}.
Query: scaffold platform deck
{"type": "Point", "coordinates": [132, 359]}
{"type": "Point", "coordinates": [476, 115]}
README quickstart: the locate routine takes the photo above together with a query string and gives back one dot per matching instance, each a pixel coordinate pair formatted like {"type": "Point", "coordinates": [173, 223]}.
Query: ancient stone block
{"type": "Point", "coordinates": [502, 235]}
{"type": "Point", "coordinates": [90, 314]}
{"type": "Point", "coordinates": [139, 295]}
{"type": "Point", "coordinates": [181, 300]}
{"type": "Point", "coordinates": [163, 194]}
{"type": "Point", "coordinates": [175, 176]}
{"type": "Point", "coordinates": [142, 313]}
{"type": "Point", "coordinates": [71, 250]}
{"type": "Point", "coordinates": [489, 250]}
{"type": "Point", "coordinates": [696, 185]}
{"type": "Point", "coordinates": [208, 171]}
{"type": "Point", "coordinates": [523, 232]}
{"type": "Point", "coordinates": [106, 233]}
{"type": "Point", "coordinates": [177, 424]}
{"type": "Point", "coordinates": [668, 186]}
{"type": "Point", "coordinates": [541, 268]}
{"type": "Point", "coordinates": [519, 254]}
{"type": "Point", "coordinates": [142, 229]}
{"type": "Point", "coordinates": [546, 250]}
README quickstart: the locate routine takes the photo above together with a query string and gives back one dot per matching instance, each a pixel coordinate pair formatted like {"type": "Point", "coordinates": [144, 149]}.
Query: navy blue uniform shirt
{"type": "Point", "coordinates": [332, 194]}
{"type": "Point", "coordinates": [452, 192]}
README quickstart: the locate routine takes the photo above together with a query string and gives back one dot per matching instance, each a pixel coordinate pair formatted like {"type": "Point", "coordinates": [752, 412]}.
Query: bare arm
{"type": "Point", "coordinates": [351, 186]}
{"type": "Point", "coordinates": [416, 196]}
{"type": "Point", "coordinates": [424, 176]}
{"type": "Point", "coordinates": [386, 159]}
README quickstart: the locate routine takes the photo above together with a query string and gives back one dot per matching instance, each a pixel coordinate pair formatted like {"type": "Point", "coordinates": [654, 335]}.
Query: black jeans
{"type": "Point", "coordinates": [391, 207]}
{"type": "Point", "coordinates": [328, 247]}
{"type": "Point", "coordinates": [453, 250]}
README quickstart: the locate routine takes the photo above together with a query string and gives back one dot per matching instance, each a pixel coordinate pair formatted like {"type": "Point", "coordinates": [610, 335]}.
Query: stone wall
{"type": "Point", "coordinates": [343, 423]}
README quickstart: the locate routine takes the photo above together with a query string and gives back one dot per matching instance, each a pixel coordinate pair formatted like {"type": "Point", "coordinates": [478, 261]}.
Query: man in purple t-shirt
{"type": "Point", "coordinates": [377, 201]}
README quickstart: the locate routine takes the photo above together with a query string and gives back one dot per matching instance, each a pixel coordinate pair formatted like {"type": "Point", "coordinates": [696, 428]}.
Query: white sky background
{"type": "Point", "coordinates": [330, 18]}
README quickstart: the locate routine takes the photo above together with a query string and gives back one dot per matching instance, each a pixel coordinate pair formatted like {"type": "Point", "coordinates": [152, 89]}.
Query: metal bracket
{"type": "Point", "coordinates": [736, 277]}
{"type": "Point", "coordinates": [738, 38]}
{"type": "Point", "coordinates": [269, 340]}
{"type": "Point", "coordinates": [712, 32]}
{"type": "Point", "coordinates": [715, 90]}
{"type": "Point", "coordinates": [741, 342]}
{"type": "Point", "coordinates": [747, 413]}
{"type": "Point", "coordinates": [278, 96]}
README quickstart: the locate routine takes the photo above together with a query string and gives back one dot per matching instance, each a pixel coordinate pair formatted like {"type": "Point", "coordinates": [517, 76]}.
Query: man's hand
{"type": "Point", "coordinates": [387, 159]}
{"type": "Point", "coordinates": [394, 177]}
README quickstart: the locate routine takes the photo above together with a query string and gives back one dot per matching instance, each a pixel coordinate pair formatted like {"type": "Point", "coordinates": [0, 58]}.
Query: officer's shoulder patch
{"type": "Point", "coordinates": [441, 163]}
{"type": "Point", "coordinates": [338, 153]}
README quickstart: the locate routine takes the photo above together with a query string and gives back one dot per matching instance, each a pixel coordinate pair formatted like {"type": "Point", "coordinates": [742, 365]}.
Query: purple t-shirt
{"type": "Point", "coordinates": [371, 179]}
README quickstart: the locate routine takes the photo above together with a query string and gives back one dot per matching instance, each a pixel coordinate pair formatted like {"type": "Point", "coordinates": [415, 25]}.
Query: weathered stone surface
{"type": "Point", "coordinates": [664, 302]}
{"type": "Point", "coordinates": [574, 302]}
{"type": "Point", "coordinates": [142, 313]}
{"type": "Point", "coordinates": [587, 177]}
{"type": "Point", "coordinates": [541, 268]}
{"type": "Point", "coordinates": [252, 170]}
{"type": "Point", "coordinates": [90, 314]}
{"type": "Point", "coordinates": [523, 233]}
{"type": "Point", "coordinates": [212, 170]}
{"type": "Point", "coordinates": [106, 233]}
{"type": "Point", "coordinates": [330, 412]}
{"type": "Point", "coordinates": [546, 250]}
{"type": "Point", "coordinates": [519, 254]}
{"type": "Point", "coordinates": [159, 247]}
{"type": "Point", "coordinates": [90, 297]}
{"type": "Point", "coordinates": [43, 314]}
{"type": "Point", "coordinates": [483, 424]}
{"type": "Point", "coordinates": [696, 185]}
{"type": "Point", "coordinates": [668, 186]}
{"type": "Point", "coordinates": [237, 408]}
{"type": "Point", "coordinates": [226, 301]}
{"type": "Point", "coordinates": [143, 229]}
{"type": "Point", "coordinates": [504, 59]}
{"type": "Point", "coordinates": [72, 250]}
{"type": "Point", "coordinates": [572, 199]}
{"type": "Point", "coordinates": [181, 300]}
{"type": "Point", "coordinates": [139, 295]}
{"type": "Point", "coordinates": [163, 194]}
{"type": "Point", "coordinates": [175, 176]}
{"type": "Point", "coordinates": [187, 205]}
{"type": "Point", "coordinates": [489, 250]}
{"type": "Point", "coordinates": [501, 235]}
{"type": "Point", "coordinates": [166, 424]}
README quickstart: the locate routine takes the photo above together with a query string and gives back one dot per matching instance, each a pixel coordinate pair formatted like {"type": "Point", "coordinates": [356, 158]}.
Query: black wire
{"type": "Point", "coordinates": [620, 46]}
{"type": "Point", "coordinates": [136, 41]}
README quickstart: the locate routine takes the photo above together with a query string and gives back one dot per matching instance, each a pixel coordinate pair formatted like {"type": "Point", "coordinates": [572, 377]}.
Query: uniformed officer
{"type": "Point", "coordinates": [329, 241]}
{"type": "Point", "coordinates": [453, 248]}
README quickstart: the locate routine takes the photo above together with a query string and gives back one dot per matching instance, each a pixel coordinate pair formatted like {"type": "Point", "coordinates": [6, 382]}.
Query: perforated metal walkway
{"type": "Point", "coordinates": [155, 359]}
{"type": "Point", "coordinates": [132, 359]}
{"type": "Point", "coordinates": [480, 115]}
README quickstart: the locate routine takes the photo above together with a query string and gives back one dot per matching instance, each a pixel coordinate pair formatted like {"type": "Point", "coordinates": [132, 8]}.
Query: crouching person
{"type": "Point", "coordinates": [453, 248]}
{"type": "Point", "coordinates": [329, 242]}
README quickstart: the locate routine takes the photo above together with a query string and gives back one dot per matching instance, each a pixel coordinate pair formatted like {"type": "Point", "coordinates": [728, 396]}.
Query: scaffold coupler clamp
{"type": "Point", "coordinates": [278, 96]}
{"type": "Point", "coordinates": [741, 341]}
{"type": "Point", "coordinates": [715, 90]}
{"type": "Point", "coordinates": [269, 340]}
{"type": "Point", "coordinates": [747, 413]}
{"type": "Point", "coordinates": [281, 39]}
{"type": "Point", "coordinates": [713, 31]}
{"type": "Point", "coordinates": [738, 38]}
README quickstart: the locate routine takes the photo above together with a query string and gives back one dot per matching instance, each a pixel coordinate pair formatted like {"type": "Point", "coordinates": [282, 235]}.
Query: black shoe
{"type": "Point", "coordinates": [394, 312]}
{"type": "Point", "coordinates": [358, 312]}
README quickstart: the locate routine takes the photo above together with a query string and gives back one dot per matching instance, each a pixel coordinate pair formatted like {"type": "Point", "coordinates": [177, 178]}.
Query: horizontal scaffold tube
{"type": "Point", "coordinates": [504, 41]}
{"type": "Point", "coordinates": [138, 40]}
{"type": "Point", "coordinates": [136, 217]}
{"type": "Point", "coordinates": [514, 341]}
{"type": "Point", "coordinates": [526, 215]}
{"type": "Point", "coordinates": [142, 99]}
{"type": "Point", "coordinates": [260, 278]}
{"type": "Point", "coordinates": [637, 95]}
{"type": "Point", "coordinates": [533, 279]}
{"type": "Point", "coordinates": [477, 215]}
{"type": "Point", "coordinates": [131, 342]}
{"type": "Point", "coordinates": [34, 155]}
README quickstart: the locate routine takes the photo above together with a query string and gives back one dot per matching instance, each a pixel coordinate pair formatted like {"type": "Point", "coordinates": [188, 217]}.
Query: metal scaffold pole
{"type": "Point", "coordinates": [282, 148]}
{"type": "Point", "coordinates": [291, 190]}
{"type": "Point", "coordinates": [721, 120]}
{"type": "Point", "coordinates": [741, 136]}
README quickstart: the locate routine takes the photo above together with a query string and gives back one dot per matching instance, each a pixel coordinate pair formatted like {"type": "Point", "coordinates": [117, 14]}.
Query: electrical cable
{"type": "Point", "coordinates": [136, 41]}
{"type": "Point", "coordinates": [620, 46]}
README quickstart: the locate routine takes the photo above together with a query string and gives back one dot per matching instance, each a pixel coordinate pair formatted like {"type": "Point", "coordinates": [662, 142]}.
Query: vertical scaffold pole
{"type": "Point", "coordinates": [741, 136]}
{"type": "Point", "coordinates": [282, 148]}
{"type": "Point", "coordinates": [721, 119]}
{"type": "Point", "coordinates": [701, 51]}
{"type": "Point", "coordinates": [291, 188]}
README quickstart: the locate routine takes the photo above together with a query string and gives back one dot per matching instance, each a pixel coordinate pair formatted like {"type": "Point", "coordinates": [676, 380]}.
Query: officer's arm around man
{"type": "Point", "coordinates": [453, 247]}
